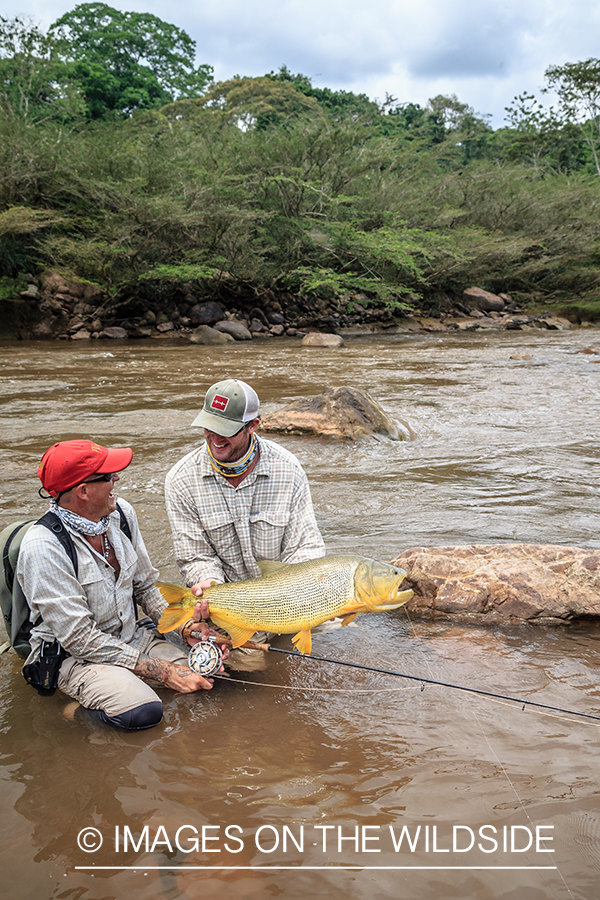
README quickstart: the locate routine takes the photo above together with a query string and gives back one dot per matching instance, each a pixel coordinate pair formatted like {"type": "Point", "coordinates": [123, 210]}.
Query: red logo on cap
{"type": "Point", "coordinates": [219, 403]}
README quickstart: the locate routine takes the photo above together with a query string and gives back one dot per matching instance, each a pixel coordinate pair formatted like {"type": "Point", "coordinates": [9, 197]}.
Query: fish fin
{"type": "Point", "coordinates": [172, 617]}
{"type": "Point", "coordinates": [348, 619]}
{"type": "Point", "coordinates": [237, 634]}
{"type": "Point", "coordinates": [352, 609]}
{"type": "Point", "coordinates": [269, 566]}
{"type": "Point", "coordinates": [173, 593]}
{"type": "Point", "coordinates": [303, 641]}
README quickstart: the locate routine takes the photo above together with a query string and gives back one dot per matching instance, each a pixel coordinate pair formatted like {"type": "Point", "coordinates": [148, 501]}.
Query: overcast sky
{"type": "Point", "coordinates": [485, 53]}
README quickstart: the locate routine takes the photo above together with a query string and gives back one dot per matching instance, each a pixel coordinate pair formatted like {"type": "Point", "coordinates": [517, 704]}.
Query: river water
{"type": "Point", "coordinates": [298, 780]}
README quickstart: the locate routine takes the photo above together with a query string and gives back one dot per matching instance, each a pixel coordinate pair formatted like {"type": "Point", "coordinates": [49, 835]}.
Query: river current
{"type": "Point", "coordinates": [306, 778]}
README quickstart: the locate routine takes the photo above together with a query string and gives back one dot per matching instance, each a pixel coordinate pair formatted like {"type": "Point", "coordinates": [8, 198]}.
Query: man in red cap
{"type": "Point", "coordinates": [89, 610]}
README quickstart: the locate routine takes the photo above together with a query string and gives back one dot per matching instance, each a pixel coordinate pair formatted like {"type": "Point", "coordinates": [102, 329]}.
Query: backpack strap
{"type": "Point", "coordinates": [54, 524]}
{"type": "Point", "coordinates": [123, 524]}
{"type": "Point", "coordinates": [51, 521]}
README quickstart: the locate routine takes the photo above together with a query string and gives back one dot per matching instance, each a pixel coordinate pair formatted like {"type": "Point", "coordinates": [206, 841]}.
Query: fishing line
{"type": "Point", "coordinates": [423, 681]}
{"type": "Point", "coordinates": [539, 712]}
{"type": "Point", "coordinates": [318, 690]}
{"type": "Point", "coordinates": [321, 690]}
{"type": "Point", "coordinates": [516, 793]}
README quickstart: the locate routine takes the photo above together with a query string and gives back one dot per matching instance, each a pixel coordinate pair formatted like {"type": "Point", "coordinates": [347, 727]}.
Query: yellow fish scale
{"type": "Point", "coordinates": [289, 600]}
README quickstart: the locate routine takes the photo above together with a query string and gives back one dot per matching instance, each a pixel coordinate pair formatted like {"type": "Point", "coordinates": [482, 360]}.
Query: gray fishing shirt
{"type": "Point", "coordinates": [92, 613]}
{"type": "Point", "coordinates": [220, 531]}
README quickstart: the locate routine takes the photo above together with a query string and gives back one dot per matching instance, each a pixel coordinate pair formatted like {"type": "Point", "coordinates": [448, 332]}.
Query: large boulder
{"type": "Point", "coordinates": [338, 412]}
{"type": "Point", "coordinates": [114, 333]}
{"type": "Point", "coordinates": [477, 298]}
{"type": "Point", "coordinates": [56, 283]}
{"type": "Point", "coordinates": [495, 583]}
{"type": "Point", "coordinates": [237, 330]}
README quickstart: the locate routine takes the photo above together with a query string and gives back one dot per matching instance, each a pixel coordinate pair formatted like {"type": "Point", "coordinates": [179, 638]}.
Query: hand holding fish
{"type": "Point", "coordinates": [197, 589]}
{"type": "Point", "coordinates": [197, 625]}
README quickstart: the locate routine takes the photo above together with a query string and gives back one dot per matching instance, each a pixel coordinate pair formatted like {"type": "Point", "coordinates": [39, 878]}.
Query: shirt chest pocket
{"type": "Point", "coordinates": [267, 531]}
{"type": "Point", "coordinates": [98, 585]}
{"type": "Point", "coordinates": [220, 529]}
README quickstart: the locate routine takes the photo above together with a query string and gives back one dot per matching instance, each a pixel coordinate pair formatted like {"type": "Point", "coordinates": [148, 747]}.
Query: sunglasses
{"type": "Point", "coordinates": [108, 476]}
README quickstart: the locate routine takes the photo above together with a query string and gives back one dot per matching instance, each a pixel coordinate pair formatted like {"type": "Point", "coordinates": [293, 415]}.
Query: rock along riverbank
{"type": "Point", "coordinates": [56, 307]}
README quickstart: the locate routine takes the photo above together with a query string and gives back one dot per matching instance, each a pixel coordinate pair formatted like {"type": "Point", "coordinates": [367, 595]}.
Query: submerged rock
{"type": "Point", "coordinates": [114, 333]}
{"type": "Point", "coordinates": [338, 412]}
{"type": "Point", "coordinates": [495, 583]}
{"type": "Point", "coordinates": [318, 339]}
{"type": "Point", "coordinates": [204, 334]}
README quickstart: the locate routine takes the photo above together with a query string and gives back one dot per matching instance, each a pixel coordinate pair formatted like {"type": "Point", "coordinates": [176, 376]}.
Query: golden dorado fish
{"type": "Point", "coordinates": [292, 598]}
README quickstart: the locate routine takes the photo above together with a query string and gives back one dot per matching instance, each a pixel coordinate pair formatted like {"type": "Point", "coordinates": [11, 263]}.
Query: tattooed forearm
{"type": "Point", "coordinates": [156, 669]}
{"type": "Point", "coordinates": [174, 675]}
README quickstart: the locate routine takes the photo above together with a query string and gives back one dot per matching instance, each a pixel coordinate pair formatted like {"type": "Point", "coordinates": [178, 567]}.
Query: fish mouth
{"type": "Point", "coordinates": [400, 598]}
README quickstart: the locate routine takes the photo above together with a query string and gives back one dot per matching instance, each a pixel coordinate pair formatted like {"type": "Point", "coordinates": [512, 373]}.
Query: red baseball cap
{"type": "Point", "coordinates": [68, 463]}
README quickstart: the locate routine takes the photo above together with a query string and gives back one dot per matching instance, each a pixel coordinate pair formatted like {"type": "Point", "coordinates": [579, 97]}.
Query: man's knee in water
{"type": "Point", "coordinates": [137, 719]}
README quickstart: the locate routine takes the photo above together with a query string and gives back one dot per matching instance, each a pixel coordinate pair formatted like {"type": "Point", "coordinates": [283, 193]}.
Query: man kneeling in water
{"type": "Point", "coordinates": [90, 610]}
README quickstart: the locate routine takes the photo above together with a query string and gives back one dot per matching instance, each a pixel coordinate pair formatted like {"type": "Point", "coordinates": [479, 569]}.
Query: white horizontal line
{"type": "Point", "coordinates": [328, 868]}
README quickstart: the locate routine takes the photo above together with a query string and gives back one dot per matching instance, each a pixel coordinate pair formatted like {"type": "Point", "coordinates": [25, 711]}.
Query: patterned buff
{"type": "Point", "coordinates": [232, 470]}
{"type": "Point", "coordinates": [77, 522]}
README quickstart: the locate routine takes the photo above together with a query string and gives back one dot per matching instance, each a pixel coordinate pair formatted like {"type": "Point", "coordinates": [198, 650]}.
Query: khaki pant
{"type": "Point", "coordinates": [114, 689]}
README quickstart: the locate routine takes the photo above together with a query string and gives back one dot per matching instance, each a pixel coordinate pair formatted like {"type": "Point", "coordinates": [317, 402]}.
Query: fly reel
{"type": "Point", "coordinates": [205, 658]}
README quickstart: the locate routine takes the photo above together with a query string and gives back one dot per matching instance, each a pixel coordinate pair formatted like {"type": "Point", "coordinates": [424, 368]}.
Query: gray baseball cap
{"type": "Point", "coordinates": [228, 406]}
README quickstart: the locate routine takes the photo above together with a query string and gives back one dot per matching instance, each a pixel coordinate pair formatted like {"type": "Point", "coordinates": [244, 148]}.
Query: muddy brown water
{"type": "Point", "coordinates": [300, 782]}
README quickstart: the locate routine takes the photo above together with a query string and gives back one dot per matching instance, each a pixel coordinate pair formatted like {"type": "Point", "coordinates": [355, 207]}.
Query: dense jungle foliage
{"type": "Point", "coordinates": [123, 163]}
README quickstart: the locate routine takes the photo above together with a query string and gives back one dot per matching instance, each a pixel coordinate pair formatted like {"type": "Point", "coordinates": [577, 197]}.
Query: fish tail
{"type": "Point", "coordinates": [173, 593]}
{"type": "Point", "coordinates": [175, 614]}
{"type": "Point", "coordinates": [172, 618]}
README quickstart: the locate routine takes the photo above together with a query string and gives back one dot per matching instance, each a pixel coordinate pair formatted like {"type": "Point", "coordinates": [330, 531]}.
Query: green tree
{"type": "Point", "coordinates": [260, 102]}
{"type": "Point", "coordinates": [414, 123]}
{"type": "Point", "coordinates": [577, 86]}
{"type": "Point", "coordinates": [337, 104]}
{"type": "Point", "coordinates": [35, 83]}
{"type": "Point", "coordinates": [540, 137]}
{"type": "Point", "coordinates": [127, 60]}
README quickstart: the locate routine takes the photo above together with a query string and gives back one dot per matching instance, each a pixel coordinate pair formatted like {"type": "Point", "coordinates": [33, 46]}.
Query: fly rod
{"type": "Point", "coordinates": [424, 681]}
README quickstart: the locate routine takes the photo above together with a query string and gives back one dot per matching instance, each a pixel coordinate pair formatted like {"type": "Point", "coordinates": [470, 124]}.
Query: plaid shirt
{"type": "Point", "coordinates": [220, 532]}
{"type": "Point", "coordinates": [92, 614]}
